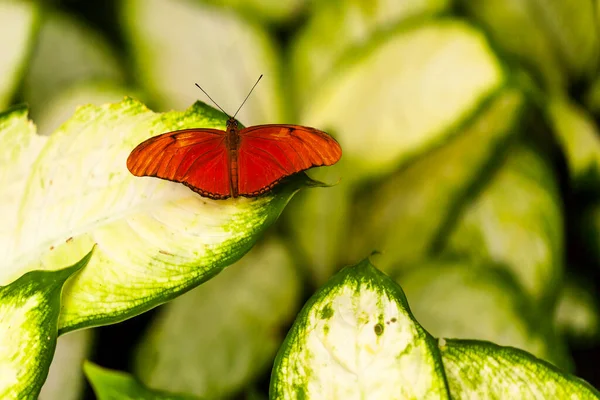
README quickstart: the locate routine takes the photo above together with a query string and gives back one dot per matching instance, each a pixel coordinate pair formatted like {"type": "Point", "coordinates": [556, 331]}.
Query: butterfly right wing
{"type": "Point", "coordinates": [195, 157]}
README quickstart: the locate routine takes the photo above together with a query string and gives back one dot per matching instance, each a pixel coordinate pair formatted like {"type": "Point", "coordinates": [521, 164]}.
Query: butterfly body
{"type": "Point", "coordinates": [235, 162]}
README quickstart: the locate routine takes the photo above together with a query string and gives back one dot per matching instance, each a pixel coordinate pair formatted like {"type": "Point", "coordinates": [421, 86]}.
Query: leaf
{"type": "Point", "coordinates": [578, 135]}
{"type": "Point", "coordinates": [558, 39]}
{"type": "Point", "coordinates": [67, 53]}
{"type": "Point", "coordinates": [29, 314]}
{"type": "Point", "coordinates": [516, 220]}
{"type": "Point", "coordinates": [116, 385]}
{"type": "Point", "coordinates": [356, 337]}
{"type": "Point", "coordinates": [393, 99]}
{"type": "Point", "coordinates": [65, 379]}
{"type": "Point", "coordinates": [457, 299]}
{"type": "Point", "coordinates": [337, 28]}
{"type": "Point", "coordinates": [404, 215]}
{"type": "Point", "coordinates": [485, 370]}
{"type": "Point", "coordinates": [171, 51]}
{"type": "Point", "coordinates": [18, 25]}
{"type": "Point", "coordinates": [20, 145]}
{"type": "Point", "coordinates": [156, 239]}
{"type": "Point", "coordinates": [379, 138]}
{"type": "Point", "coordinates": [214, 340]}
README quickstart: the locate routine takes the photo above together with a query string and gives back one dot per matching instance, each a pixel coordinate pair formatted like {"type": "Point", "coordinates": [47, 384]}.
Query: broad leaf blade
{"type": "Point", "coordinates": [20, 147]}
{"type": "Point", "coordinates": [400, 85]}
{"type": "Point", "coordinates": [405, 214]}
{"type": "Point", "coordinates": [116, 385]}
{"type": "Point", "coordinates": [458, 299]}
{"type": "Point", "coordinates": [214, 340]}
{"type": "Point", "coordinates": [28, 327]}
{"type": "Point", "coordinates": [156, 239]}
{"type": "Point", "coordinates": [484, 370]}
{"type": "Point", "coordinates": [338, 28]}
{"type": "Point", "coordinates": [356, 337]}
{"type": "Point", "coordinates": [216, 48]}
{"type": "Point", "coordinates": [398, 122]}
{"type": "Point", "coordinates": [516, 220]}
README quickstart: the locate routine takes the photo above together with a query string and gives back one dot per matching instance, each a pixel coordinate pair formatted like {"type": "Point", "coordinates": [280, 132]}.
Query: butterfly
{"type": "Point", "coordinates": [235, 162]}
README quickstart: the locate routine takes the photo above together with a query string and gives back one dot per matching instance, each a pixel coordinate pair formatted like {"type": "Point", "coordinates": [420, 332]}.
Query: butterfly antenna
{"type": "Point", "coordinates": [249, 93]}
{"type": "Point", "coordinates": [215, 103]}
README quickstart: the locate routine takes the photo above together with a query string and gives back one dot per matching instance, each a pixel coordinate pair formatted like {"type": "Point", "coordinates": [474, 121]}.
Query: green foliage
{"type": "Point", "coordinates": [471, 159]}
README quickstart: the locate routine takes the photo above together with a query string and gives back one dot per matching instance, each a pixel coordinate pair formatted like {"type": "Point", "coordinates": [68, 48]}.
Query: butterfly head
{"type": "Point", "coordinates": [232, 124]}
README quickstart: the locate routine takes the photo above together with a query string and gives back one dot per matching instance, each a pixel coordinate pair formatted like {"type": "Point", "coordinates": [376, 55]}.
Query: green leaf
{"type": "Point", "coordinates": [176, 43]}
{"type": "Point", "coordinates": [116, 385]}
{"type": "Point", "coordinates": [356, 336]}
{"type": "Point", "coordinates": [402, 78]}
{"type": "Point", "coordinates": [578, 134]}
{"type": "Point", "coordinates": [516, 221]}
{"type": "Point", "coordinates": [559, 39]}
{"type": "Point", "coordinates": [337, 28]}
{"type": "Point", "coordinates": [406, 213]}
{"type": "Point", "coordinates": [67, 52]}
{"type": "Point", "coordinates": [156, 239]}
{"type": "Point", "coordinates": [454, 298]}
{"type": "Point", "coordinates": [28, 327]}
{"type": "Point", "coordinates": [485, 370]}
{"type": "Point", "coordinates": [236, 318]}
{"type": "Point", "coordinates": [18, 25]}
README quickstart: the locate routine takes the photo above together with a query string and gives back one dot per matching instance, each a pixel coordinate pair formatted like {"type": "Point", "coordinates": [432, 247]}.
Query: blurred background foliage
{"type": "Point", "coordinates": [471, 163]}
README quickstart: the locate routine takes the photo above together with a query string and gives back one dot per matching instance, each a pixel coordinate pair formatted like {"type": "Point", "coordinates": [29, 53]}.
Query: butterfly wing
{"type": "Point", "coordinates": [269, 153]}
{"type": "Point", "coordinates": [195, 157]}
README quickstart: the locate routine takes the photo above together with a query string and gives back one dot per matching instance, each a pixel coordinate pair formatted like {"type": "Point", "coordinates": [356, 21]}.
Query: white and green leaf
{"type": "Point", "coordinates": [402, 78]}
{"type": "Point", "coordinates": [338, 28]}
{"type": "Point", "coordinates": [455, 298]}
{"type": "Point", "coordinates": [176, 43]}
{"type": "Point", "coordinates": [155, 239]}
{"type": "Point", "coordinates": [483, 370]}
{"type": "Point", "coordinates": [236, 319]}
{"type": "Point", "coordinates": [404, 215]}
{"type": "Point", "coordinates": [516, 220]}
{"type": "Point", "coordinates": [354, 338]}
{"type": "Point", "coordinates": [416, 108]}
{"type": "Point", "coordinates": [29, 309]}
{"type": "Point", "coordinates": [20, 146]}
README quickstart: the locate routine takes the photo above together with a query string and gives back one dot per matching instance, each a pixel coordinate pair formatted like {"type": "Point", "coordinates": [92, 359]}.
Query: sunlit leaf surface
{"type": "Point", "coordinates": [156, 239]}
{"type": "Point", "coordinates": [29, 309]}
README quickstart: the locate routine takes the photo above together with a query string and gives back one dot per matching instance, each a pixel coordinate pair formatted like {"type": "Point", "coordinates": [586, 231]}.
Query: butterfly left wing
{"type": "Point", "coordinates": [195, 157]}
{"type": "Point", "coordinates": [269, 153]}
